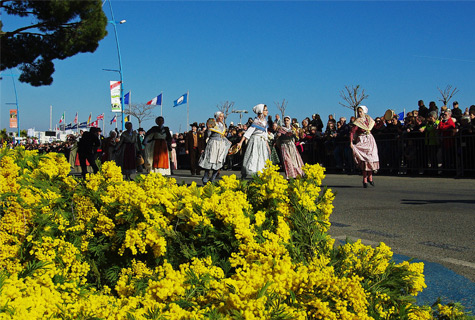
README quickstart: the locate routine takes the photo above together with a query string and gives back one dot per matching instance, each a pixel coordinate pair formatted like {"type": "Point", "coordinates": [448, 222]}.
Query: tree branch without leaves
{"type": "Point", "coordinates": [447, 94]}
{"type": "Point", "coordinates": [352, 97]}
{"type": "Point", "coordinates": [141, 112]}
{"type": "Point", "coordinates": [225, 107]}
{"type": "Point", "coordinates": [281, 106]}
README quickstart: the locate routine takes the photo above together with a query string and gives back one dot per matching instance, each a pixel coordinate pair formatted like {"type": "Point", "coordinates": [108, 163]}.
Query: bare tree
{"type": "Point", "coordinates": [141, 112]}
{"type": "Point", "coordinates": [447, 94]}
{"type": "Point", "coordinates": [225, 107]}
{"type": "Point", "coordinates": [281, 106]}
{"type": "Point", "coordinates": [352, 97]}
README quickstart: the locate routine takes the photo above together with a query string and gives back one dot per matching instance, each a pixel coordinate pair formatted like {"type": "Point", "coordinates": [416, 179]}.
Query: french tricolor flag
{"type": "Point", "coordinates": [157, 101]}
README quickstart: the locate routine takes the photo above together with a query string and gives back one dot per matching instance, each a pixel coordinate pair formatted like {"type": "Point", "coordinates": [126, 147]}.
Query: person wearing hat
{"type": "Point", "coordinates": [194, 146]}
{"type": "Point", "coordinates": [292, 160]}
{"type": "Point", "coordinates": [365, 150]}
{"type": "Point", "coordinates": [217, 148]}
{"type": "Point", "coordinates": [257, 151]}
{"type": "Point", "coordinates": [456, 112]}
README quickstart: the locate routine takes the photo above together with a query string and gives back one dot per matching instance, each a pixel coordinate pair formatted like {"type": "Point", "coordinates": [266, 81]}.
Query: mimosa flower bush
{"type": "Point", "coordinates": [105, 248]}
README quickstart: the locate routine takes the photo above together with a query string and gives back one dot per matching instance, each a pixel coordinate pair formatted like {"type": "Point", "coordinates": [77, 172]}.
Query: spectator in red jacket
{"type": "Point", "coordinates": [447, 132]}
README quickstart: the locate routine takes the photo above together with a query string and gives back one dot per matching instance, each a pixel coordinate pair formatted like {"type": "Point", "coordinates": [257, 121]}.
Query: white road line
{"type": "Point", "coordinates": [459, 262]}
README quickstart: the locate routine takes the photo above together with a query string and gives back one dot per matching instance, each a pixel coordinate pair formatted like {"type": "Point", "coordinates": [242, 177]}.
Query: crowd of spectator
{"type": "Point", "coordinates": [429, 140]}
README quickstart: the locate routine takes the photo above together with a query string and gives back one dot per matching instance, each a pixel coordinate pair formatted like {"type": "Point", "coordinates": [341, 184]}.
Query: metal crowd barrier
{"type": "Point", "coordinates": [408, 154]}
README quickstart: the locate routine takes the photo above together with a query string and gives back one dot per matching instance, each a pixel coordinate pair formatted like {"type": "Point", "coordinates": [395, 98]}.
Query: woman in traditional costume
{"type": "Point", "coordinates": [157, 142]}
{"type": "Point", "coordinates": [365, 150]}
{"type": "Point", "coordinates": [257, 151]}
{"type": "Point", "coordinates": [286, 136]}
{"type": "Point", "coordinates": [127, 150]}
{"type": "Point", "coordinates": [217, 148]}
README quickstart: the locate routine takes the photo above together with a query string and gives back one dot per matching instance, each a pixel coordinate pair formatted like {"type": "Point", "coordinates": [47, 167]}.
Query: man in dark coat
{"type": "Point", "coordinates": [423, 111]}
{"type": "Point", "coordinates": [456, 112]}
{"type": "Point", "coordinates": [194, 145]}
{"type": "Point", "coordinates": [87, 148]}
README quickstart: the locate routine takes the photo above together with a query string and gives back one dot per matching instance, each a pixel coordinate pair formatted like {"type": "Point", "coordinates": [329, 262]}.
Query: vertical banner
{"type": "Point", "coordinates": [115, 96]}
{"type": "Point", "coordinates": [13, 118]}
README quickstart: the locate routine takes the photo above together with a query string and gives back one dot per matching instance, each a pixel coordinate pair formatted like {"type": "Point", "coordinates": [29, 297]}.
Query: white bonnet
{"type": "Point", "coordinates": [364, 108]}
{"type": "Point", "coordinates": [258, 108]}
{"type": "Point", "coordinates": [288, 117]}
{"type": "Point", "coordinates": [217, 113]}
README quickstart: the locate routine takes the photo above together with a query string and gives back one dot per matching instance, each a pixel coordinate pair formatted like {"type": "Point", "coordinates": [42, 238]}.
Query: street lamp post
{"type": "Point", "coordinates": [240, 113]}
{"type": "Point", "coordinates": [114, 24]}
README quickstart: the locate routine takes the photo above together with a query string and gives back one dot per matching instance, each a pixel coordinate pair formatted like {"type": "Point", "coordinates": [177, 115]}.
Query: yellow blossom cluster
{"type": "Point", "coordinates": [415, 279]}
{"type": "Point", "coordinates": [147, 249]}
{"type": "Point", "coordinates": [361, 259]}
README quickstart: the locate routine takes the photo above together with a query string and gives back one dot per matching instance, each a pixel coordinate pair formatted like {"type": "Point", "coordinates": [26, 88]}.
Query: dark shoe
{"type": "Point", "coordinates": [365, 185]}
{"type": "Point", "coordinates": [214, 176]}
{"type": "Point", "coordinates": [371, 183]}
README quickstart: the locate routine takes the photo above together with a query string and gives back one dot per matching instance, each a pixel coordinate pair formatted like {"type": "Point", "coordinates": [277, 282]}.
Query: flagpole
{"type": "Point", "coordinates": [77, 124]}
{"type": "Point", "coordinates": [161, 105]}
{"type": "Point", "coordinates": [50, 117]}
{"type": "Point", "coordinates": [188, 108]}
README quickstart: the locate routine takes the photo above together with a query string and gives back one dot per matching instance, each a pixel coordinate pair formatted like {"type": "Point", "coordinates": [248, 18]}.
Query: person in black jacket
{"type": "Point", "coordinates": [423, 111]}
{"type": "Point", "coordinates": [87, 148]}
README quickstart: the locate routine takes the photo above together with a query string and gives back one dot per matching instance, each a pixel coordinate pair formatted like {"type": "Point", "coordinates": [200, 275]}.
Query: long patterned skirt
{"type": "Point", "coordinates": [365, 153]}
{"type": "Point", "coordinates": [292, 160]}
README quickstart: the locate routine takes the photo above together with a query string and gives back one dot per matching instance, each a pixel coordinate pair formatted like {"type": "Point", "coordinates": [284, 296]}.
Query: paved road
{"type": "Point", "coordinates": [429, 219]}
{"type": "Point", "coordinates": [426, 218]}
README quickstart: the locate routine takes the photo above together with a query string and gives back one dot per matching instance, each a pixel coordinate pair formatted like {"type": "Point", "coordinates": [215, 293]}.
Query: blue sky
{"type": "Point", "coordinates": [253, 52]}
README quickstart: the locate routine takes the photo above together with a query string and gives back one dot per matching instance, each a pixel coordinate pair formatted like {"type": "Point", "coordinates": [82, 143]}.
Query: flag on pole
{"type": "Point", "coordinates": [62, 118]}
{"type": "Point", "coordinates": [114, 119]}
{"type": "Point", "coordinates": [181, 100]}
{"type": "Point", "coordinates": [100, 117]}
{"type": "Point", "coordinates": [127, 98]}
{"type": "Point", "coordinates": [83, 125]}
{"type": "Point", "coordinates": [94, 124]}
{"type": "Point", "coordinates": [89, 119]}
{"type": "Point", "coordinates": [400, 116]}
{"type": "Point", "coordinates": [68, 127]}
{"type": "Point", "coordinates": [127, 118]}
{"type": "Point", "coordinates": [76, 118]}
{"type": "Point", "coordinates": [157, 101]}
